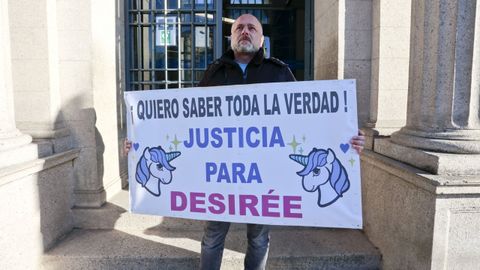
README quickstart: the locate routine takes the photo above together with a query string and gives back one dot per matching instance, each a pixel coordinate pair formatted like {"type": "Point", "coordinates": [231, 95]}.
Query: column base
{"type": "Point", "coordinates": [455, 141]}
{"type": "Point", "coordinates": [17, 149]}
{"type": "Point", "coordinates": [432, 162]}
{"type": "Point", "coordinates": [50, 141]}
{"type": "Point", "coordinates": [90, 198]}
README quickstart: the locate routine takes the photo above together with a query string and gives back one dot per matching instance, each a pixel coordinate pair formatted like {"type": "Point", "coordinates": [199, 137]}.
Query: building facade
{"type": "Point", "coordinates": [65, 65]}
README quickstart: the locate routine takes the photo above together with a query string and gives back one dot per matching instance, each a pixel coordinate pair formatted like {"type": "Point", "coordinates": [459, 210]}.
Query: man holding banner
{"type": "Point", "coordinates": [244, 63]}
{"type": "Point", "coordinates": [259, 184]}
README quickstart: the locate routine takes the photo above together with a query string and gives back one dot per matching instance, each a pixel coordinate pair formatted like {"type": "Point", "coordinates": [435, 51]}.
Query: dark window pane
{"type": "Point", "coordinates": [185, 17]}
{"type": "Point", "coordinates": [160, 76]}
{"type": "Point", "coordinates": [186, 75]}
{"type": "Point", "coordinates": [187, 4]}
{"type": "Point", "coordinates": [199, 4]}
{"type": "Point", "coordinates": [199, 17]}
{"type": "Point", "coordinates": [210, 4]}
{"type": "Point", "coordinates": [210, 44]}
{"type": "Point", "coordinates": [173, 76]}
{"type": "Point", "coordinates": [159, 57]}
{"type": "Point", "coordinates": [159, 4]}
{"type": "Point", "coordinates": [199, 75]}
{"type": "Point", "coordinates": [158, 86]}
{"type": "Point", "coordinates": [186, 54]}
{"type": "Point", "coordinates": [172, 4]}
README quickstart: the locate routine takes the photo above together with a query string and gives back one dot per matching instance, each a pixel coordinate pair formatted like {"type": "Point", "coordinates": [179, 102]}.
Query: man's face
{"type": "Point", "coordinates": [247, 34]}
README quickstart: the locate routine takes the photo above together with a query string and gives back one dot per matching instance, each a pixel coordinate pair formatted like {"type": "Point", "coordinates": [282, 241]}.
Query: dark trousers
{"type": "Point", "coordinates": [214, 240]}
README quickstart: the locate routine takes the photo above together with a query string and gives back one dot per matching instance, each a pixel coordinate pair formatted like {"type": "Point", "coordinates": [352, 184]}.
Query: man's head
{"type": "Point", "coordinates": [247, 34]}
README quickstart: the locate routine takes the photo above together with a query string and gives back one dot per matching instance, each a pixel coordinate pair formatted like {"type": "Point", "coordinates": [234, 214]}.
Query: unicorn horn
{"type": "Point", "coordinates": [172, 155]}
{"type": "Point", "coordinates": [299, 159]}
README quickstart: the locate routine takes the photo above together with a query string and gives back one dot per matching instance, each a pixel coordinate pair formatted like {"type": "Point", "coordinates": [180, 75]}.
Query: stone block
{"type": "Point", "coordinates": [376, 22]}
{"type": "Point", "coordinates": [27, 106]}
{"type": "Point", "coordinates": [74, 45]}
{"type": "Point", "coordinates": [419, 220]}
{"type": "Point", "coordinates": [359, 70]}
{"type": "Point", "coordinates": [394, 42]}
{"type": "Point", "coordinates": [457, 249]}
{"type": "Point", "coordinates": [55, 187]}
{"type": "Point", "coordinates": [177, 249]}
{"type": "Point", "coordinates": [358, 15]}
{"type": "Point", "coordinates": [86, 173]}
{"type": "Point", "coordinates": [73, 15]}
{"type": "Point", "coordinates": [37, 72]}
{"type": "Point", "coordinates": [28, 14]}
{"type": "Point", "coordinates": [29, 43]}
{"type": "Point", "coordinates": [75, 80]}
{"type": "Point", "coordinates": [392, 105]}
{"type": "Point", "coordinates": [35, 202]}
{"type": "Point", "coordinates": [358, 44]}
{"type": "Point", "coordinates": [326, 7]}
{"type": "Point", "coordinates": [432, 162]}
{"type": "Point", "coordinates": [396, 13]}
{"type": "Point", "coordinates": [393, 73]}
{"type": "Point", "coordinates": [83, 133]}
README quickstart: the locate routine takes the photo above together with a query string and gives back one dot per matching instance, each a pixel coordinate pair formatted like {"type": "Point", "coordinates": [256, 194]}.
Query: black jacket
{"type": "Point", "coordinates": [225, 71]}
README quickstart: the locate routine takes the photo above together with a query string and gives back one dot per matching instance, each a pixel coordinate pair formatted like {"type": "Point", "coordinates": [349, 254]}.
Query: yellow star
{"type": "Point", "coordinates": [176, 142]}
{"type": "Point", "coordinates": [294, 144]}
{"type": "Point", "coordinates": [352, 161]}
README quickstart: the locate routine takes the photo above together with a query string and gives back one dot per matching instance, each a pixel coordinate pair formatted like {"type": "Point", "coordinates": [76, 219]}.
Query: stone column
{"type": "Point", "coordinates": [35, 71]}
{"type": "Point", "coordinates": [443, 114]}
{"type": "Point", "coordinates": [390, 60]}
{"type": "Point", "coordinates": [15, 147]}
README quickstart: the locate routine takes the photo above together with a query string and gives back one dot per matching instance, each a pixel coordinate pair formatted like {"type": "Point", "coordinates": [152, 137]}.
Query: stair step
{"type": "Point", "coordinates": [115, 215]}
{"type": "Point", "coordinates": [159, 247]}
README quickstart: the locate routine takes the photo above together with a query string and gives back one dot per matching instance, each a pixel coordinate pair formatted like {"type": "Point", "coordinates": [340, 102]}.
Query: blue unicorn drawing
{"type": "Point", "coordinates": [323, 172]}
{"type": "Point", "coordinates": [154, 168]}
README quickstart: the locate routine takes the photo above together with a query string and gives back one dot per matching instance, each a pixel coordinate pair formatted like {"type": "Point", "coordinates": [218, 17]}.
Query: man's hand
{"type": "Point", "coordinates": [358, 141]}
{"type": "Point", "coordinates": [127, 145]}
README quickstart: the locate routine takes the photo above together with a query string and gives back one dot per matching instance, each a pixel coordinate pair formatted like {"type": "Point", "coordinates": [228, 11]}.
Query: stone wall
{"type": "Point", "coordinates": [62, 88]}
{"type": "Point", "coordinates": [35, 202]}
{"type": "Point", "coordinates": [419, 220]}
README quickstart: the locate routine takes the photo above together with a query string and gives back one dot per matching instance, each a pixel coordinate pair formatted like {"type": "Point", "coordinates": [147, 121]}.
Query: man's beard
{"type": "Point", "coordinates": [244, 48]}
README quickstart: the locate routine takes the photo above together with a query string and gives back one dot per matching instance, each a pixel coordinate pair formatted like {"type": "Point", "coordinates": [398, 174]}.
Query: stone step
{"type": "Point", "coordinates": [164, 248]}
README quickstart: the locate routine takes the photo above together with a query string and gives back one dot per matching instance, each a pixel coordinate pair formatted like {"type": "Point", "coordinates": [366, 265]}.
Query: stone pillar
{"type": "Point", "coordinates": [443, 114]}
{"type": "Point", "coordinates": [15, 146]}
{"type": "Point", "coordinates": [35, 71]}
{"type": "Point", "coordinates": [390, 60]}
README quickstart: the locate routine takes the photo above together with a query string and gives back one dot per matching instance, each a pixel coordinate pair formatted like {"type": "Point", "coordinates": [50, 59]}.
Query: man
{"type": "Point", "coordinates": [244, 63]}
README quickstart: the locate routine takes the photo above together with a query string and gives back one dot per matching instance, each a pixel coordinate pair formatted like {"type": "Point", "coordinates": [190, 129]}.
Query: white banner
{"type": "Point", "coordinates": [275, 153]}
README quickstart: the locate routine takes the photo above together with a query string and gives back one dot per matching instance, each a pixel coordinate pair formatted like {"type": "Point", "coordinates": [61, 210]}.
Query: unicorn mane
{"type": "Point", "coordinates": [338, 178]}
{"type": "Point", "coordinates": [157, 155]}
{"type": "Point", "coordinates": [315, 158]}
{"type": "Point", "coordinates": [142, 173]}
